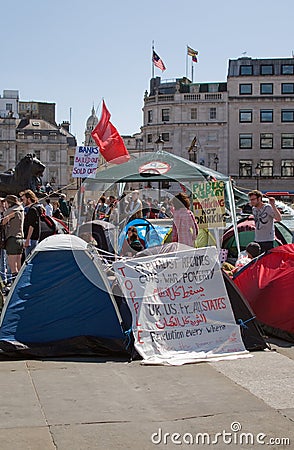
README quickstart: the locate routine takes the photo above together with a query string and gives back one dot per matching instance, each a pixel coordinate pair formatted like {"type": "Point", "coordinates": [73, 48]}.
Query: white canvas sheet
{"type": "Point", "coordinates": [180, 307]}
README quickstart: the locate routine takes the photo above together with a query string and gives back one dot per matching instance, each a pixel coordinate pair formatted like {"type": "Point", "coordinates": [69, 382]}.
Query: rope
{"type": "Point", "coordinates": [243, 324]}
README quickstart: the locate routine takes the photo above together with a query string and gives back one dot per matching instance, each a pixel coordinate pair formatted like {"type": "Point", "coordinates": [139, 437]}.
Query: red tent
{"type": "Point", "coordinates": [268, 286]}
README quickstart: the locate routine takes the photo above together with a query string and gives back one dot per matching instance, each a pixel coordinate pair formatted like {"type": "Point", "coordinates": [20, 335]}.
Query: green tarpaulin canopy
{"type": "Point", "coordinates": [155, 166]}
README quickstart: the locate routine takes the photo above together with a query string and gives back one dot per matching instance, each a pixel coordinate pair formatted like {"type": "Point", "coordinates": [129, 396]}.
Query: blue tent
{"type": "Point", "coordinates": [61, 303]}
{"type": "Point", "coordinates": [151, 234]}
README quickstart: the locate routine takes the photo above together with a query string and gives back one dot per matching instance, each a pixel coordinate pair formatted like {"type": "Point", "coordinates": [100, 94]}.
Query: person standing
{"type": "Point", "coordinates": [134, 207]}
{"type": "Point", "coordinates": [64, 206]}
{"type": "Point", "coordinates": [264, 215]}
{"type": "Point", "coordinates": [13, 221]}
{"type": "Point", "coordinates": [32, 220]}
{"type": "Point", "coordinates": [48, 207]}
{"type": "Point", "coordinates": [3, 257]}
{"type": "Point", "coordinates": [185, 228]}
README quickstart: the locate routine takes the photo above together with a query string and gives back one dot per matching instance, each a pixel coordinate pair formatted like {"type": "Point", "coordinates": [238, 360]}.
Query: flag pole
{"type": "Point", "coordinates": [192, 70]}
{"type": "Point", "coordinates": [152, 70]}
{"type": "Point", "coordinates": [187, 62]}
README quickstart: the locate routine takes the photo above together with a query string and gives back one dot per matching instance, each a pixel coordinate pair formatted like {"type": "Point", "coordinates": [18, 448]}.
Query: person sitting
{"type": "Point", "coordinates": [162, 214]}
{"type": "Point", "coordinates": [132, 244]}
{"type": "Point", "coordinates": [253, 250]}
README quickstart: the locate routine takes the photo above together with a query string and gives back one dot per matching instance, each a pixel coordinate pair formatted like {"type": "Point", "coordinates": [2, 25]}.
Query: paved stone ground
{"type": "Point", "coordinates": [98, 404]}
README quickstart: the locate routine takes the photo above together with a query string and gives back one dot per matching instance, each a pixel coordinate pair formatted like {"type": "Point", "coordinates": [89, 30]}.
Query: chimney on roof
{"type": "Point", "coordinates": [65, 124]}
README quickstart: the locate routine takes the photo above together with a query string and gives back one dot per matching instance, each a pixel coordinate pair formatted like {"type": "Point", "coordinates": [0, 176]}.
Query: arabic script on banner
{"type": "Point", "coordinates": [179, 303]}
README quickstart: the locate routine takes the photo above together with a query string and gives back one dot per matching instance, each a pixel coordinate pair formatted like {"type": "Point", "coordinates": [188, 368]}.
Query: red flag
{"type": "Point", "coordinates": [106, 136]}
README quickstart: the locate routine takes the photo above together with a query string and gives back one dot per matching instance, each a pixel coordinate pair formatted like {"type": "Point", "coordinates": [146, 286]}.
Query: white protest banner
{"type": "Point", "coordinates": [85, 162]}
{"type": "Point", "coordinates": [180, 307]}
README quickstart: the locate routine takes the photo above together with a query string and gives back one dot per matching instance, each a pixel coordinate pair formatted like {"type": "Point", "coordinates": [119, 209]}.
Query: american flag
{"type": "Point", "coordinates": [157, 61]}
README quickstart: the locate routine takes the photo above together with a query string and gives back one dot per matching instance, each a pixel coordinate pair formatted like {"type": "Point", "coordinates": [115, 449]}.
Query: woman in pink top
{"type": "Point", "coordinates": [185, 228]}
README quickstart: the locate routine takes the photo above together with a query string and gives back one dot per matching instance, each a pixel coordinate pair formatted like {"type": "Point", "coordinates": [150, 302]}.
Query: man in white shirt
{"type": "Point", "coordinates": [48, 207]}
{"type": "Point", "coordinates": [264, 215]}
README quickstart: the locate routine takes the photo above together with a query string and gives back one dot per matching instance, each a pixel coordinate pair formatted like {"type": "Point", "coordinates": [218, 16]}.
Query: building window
{"type": "Point", "coordinates": [287, 115]}
{"type": "Point", "coordinates": [53, 176]}
{"type": "Point", "coordinates": [245, 89]}
{"type": "Point", "coordinates": [8, 106]}
{"type": "Point", "coordinates": [267, 167]}
{"type": "Point", "coordinates": [245, 168]}
{"type": "Point", "coordinates": [165, 115]}
{"type": "Point", "coordinates": [287, 69]}
{"type": "Point", "coordinates": [245, 115]}
{"type": "Point", "coordinates": [212, 136]}
{"type": "Point", "coordinates": [246, 70]}
{"type": "Point", "coordinates": [165, 137]}
{"type": "Point", "coordinates": [193, 113]}
{"type": "Point", "coordinates": [287, 88]}
{"type": "Point", "coordinates": [287, 140]}
{"type": "Point", "coordinates": [52, 136]}
{"type": "Point", "coordinates": [149, 138]}
{"type": "Point", "coordinates": [1, 156]}
{"type": "Point", "coordinates": [266, 115]}
{"type": "Point", "coordinates": [287, 168]}
{"type": "Point", "coordinates": [71, 160]}
{"type": "Point", "coordinates": [37, 153]}
{"type": "Point", "coordinates": [53, 155]}
{"type": "Point", "coordinates": [245, 140]}
{"type": "Point", "coordinates": [212, 113]}
{"type": "Point", "coordinates": [37, 136]}
{"type": "Point", "coordinates": [150, 116]}
{"type": "Point", "coordinates": [20, 135]}
{"type": "Point", "coordinates": [266, 69]}
{"type": "Point", "coordinates": [266, 88]}
{"type": "Point", "coordinates": [266, 140]}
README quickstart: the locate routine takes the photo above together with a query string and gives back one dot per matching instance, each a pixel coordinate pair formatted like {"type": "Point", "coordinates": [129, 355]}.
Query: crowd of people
{"type": "Point", "coordinates": [129, 207]}
{"type": "Point", "coordinates": [20, 224]}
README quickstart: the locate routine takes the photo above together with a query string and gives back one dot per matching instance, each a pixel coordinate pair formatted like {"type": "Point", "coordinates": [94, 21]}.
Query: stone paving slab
{"type": "Point", "coordinates": [116, 392]}
{"type": "Point", "coordinates": [28, 438]}
{"type": "Point", "coordinates": [138, 435]}
{"type": "Point", "coordinates": [268, 376]}
{"type": "Point", "coordinates": [93, 404]}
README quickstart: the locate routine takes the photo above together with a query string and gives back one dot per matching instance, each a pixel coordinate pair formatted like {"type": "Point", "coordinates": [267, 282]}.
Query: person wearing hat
{"type": "Point", "coordinates": [13, 225]}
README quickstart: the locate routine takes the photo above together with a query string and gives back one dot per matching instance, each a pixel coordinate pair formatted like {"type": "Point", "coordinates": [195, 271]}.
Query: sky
{"type": "Point", "coordinates": [76, 52]}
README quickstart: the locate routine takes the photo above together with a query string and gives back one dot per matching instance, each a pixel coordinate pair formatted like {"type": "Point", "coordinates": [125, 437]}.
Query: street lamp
{"type": "Point", "coordinates": [216, 161]}
{"type": "Point", "coordinates": [159, 143]}
{"type": "Point", "coordinates": [193, 149]}
{"type": "Point", "coordinates": [257, 173]}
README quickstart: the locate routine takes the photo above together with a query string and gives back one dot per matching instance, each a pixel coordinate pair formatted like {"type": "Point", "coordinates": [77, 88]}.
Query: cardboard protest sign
{"type": "Point", "coordinates": [180, 307]}
{"type": "Point", "coordinates": [209, 204]}
{"type": "Point", "coordinates": [85, 162]}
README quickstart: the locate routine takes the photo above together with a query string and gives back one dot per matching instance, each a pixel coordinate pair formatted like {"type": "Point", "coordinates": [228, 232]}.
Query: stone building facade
{"type": "Point", "coordinates": [243, 127]}
{"type": "Point", "coordinates": [191, 118]}
{"type": "Point", "coordinates": [261, 123]}
{"type": "Point", "coordinates": [52, 144]}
